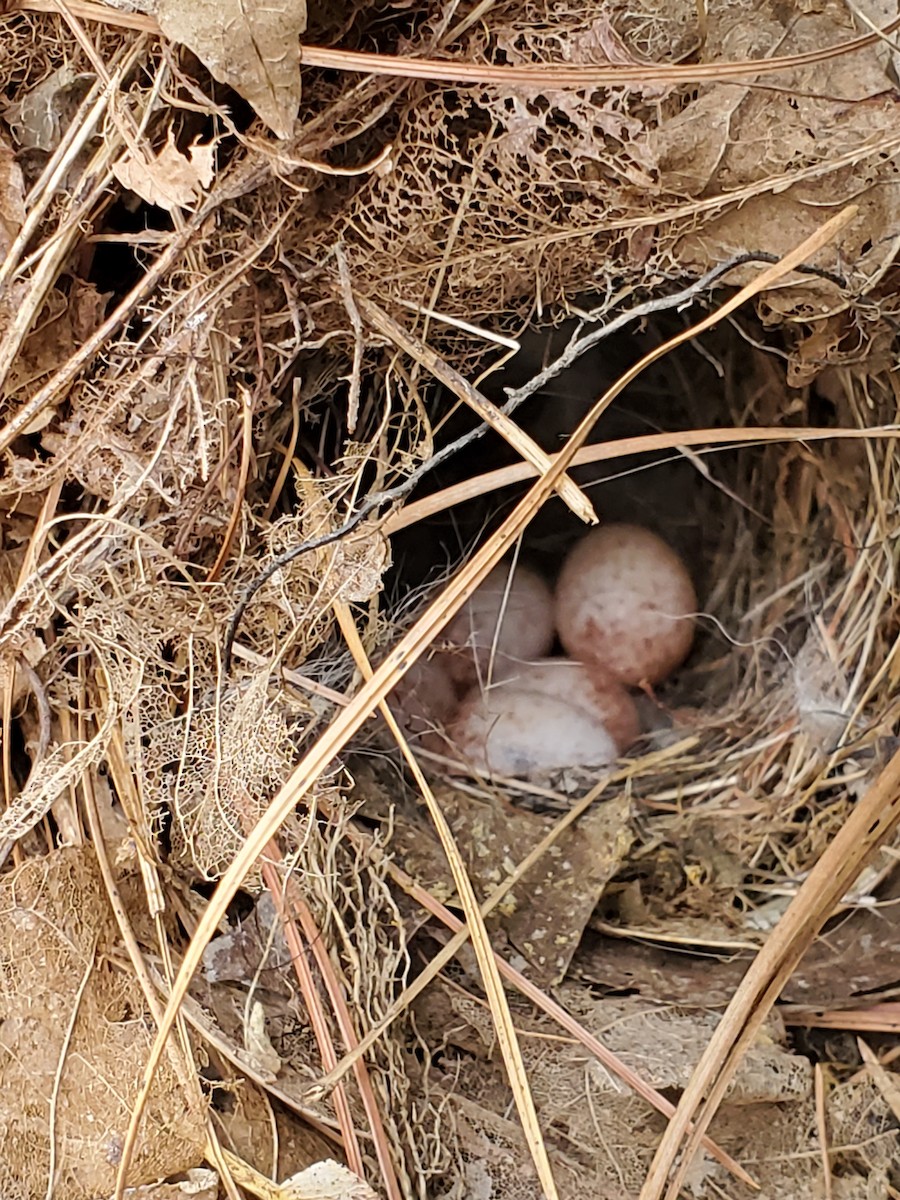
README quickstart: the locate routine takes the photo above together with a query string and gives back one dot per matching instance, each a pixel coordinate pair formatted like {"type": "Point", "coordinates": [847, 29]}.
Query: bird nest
{"type": "Point", "coordinates": [278, 394]}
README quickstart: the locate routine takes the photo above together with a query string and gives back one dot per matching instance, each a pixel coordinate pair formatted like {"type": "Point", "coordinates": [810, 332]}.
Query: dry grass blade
{"type": "Point", "coordinates": [880, 1018]}
{"type": "Point", "coordinates": [504, 425]}
{"type": "Point", "coordinates": [252, 1182]}
{"type": "Point", "coordinates": [289, 903]}
{"type": "Point", "coordinates": [481, 943]}
{"type": "Point", "coordinates": [873, 820]}
{"type": "Point", "coordinates": [410, 647]}
{"type": "Point", "coordinates": [822, 1127]}
{"type": "Point", "coordinates": [60, 1067]}
{"type": "Point", "coordinates": [243, 472]}
{"type": "Point", "coordinates": [314, 1010]}
{"type": "Point", "coordinates": [575, 76]}
{"type": "Point", "coordinates": [462, 72]}
{"type": "Point", "coordinates": [33, 554]}
{"type": "Point", "coordinates": [492, 481]}
{"type": "Point", "coordinates": [885, 1082]}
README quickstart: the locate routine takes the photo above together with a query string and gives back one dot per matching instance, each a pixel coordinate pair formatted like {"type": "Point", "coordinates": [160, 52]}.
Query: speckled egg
{"type": "Point", "coordinates": [509, 730]}
{"type": "Point", "coordinates": [625, 601]}
{"type": "Point", "coordinates": [585, 686]}
{"type": "Point", "coordinates": [505, 620]}
{"type": "Point", "coordinates": [425, 697]}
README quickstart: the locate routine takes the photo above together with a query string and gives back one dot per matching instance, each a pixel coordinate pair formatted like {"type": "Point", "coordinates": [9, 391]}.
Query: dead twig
{"type": "Point", "coordinates": [532, 76]}
{"type": "Point", "coordinates": [492, 416]}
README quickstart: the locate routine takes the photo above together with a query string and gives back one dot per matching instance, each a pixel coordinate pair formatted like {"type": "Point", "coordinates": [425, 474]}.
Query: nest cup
{"type": "Point", "coordinates": [791, 545]}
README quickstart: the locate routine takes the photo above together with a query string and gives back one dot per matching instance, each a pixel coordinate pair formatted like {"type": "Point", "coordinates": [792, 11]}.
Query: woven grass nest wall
{"type": "Point", "coordinates": [255, 344]}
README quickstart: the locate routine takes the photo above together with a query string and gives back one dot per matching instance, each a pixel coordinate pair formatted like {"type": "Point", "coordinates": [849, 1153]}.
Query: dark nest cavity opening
{"type": "Point", "coordinates": [722, 506]}
{"type": "Point", "coordinates": [790, 537]}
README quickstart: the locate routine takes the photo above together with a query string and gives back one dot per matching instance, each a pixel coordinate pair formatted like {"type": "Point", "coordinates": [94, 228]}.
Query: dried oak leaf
{"type": "Point", "coordinates": [169, 179]}
{"type": "Point", "coordinates": [781, 157]}
{"type": "Point", "coordinates": [252, 47]}
{"type": "Point", "coordinates": [55, 921]}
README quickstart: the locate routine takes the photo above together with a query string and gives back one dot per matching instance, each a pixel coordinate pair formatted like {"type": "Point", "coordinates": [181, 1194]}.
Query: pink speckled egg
{"type": "Point", "coordinates": [509, 730]}
{"type": "Point", "coordinates": [586, 687]}
{"type": "Point", "coordinates": [504, 620]}
{"type": "Point", "coordinates": [424, 699]}
{"type": "Point", "coordinates": [625, 601]}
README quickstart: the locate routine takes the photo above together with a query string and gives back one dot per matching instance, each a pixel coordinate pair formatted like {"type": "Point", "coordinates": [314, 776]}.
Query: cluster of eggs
{"type": "Point", "coordinates": [490, 697]}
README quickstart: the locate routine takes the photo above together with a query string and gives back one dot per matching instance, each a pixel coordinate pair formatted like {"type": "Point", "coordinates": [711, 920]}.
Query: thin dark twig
{"type": "Point", "coordinates": [579, 345]}
{"type": "Point", "coordinates": [576, 347]}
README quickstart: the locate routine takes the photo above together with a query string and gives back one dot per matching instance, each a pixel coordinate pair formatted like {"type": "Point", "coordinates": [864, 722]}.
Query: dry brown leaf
{"type": "Point", "coordinates": [39, 117]}
{"type": "Point", "coordinates": [87, 308]}
{"type": "Point", "coordinates": [72, 1098]}
{"type": "Point", "coordinates": [253, 48]}
{"type": "Point", "coordinates": [327, 1180]}
{"type": "Point", "coordinates": [660, 1042]}
{"type": "Point", "coordinates": [689, 148]}
{"type": "Point", "coordinates": [260, 1051]}
{"type": "Point", "coordinates": [247, 1127]}
{"type": "Point", "coordinates": [12, 196]}
{"type": "Point", "coordinates": [256, 944]}
{"type": "Point", "coordinates": [581, 1106]}
{"type": "Point", "coordinates": [170, 179]}
{"type": "Point", "coordinates": [658, 972]}
{"type": "Point", "coordinates": [47, 346]}
{"type": "Point", "coordinates": [730, 139]}
{"type": "Point", "coordinates": [546, 915]}
{"type": "Point", "coordinates": [853, 963]}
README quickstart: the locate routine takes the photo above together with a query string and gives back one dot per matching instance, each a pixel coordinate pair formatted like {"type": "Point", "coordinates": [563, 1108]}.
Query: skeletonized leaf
{"type": "Point", "coordinates": [252, 45]}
